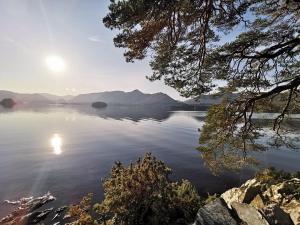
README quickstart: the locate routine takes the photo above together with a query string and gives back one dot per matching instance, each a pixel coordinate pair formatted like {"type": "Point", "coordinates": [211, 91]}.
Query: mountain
{"type": "Point", "coordinates": [25, 98]}
{"type": "Point", "coordinates": [135, 97]}
{"type": "Point", "coordinates": [207, 100]}
{"type": "Point", "coordinates": [56, 98]}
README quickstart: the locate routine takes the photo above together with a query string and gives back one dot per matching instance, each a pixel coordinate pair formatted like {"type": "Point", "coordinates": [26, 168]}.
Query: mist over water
{"type": "Point", "coordinates": [67, 150]}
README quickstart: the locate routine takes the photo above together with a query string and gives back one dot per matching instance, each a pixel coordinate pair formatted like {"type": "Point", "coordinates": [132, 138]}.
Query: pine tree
{"type": "Point", "coordinates": [252, 45]}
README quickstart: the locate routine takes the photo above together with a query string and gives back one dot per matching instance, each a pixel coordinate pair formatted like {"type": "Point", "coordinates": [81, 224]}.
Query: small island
{"type": "Point", "coordinates": [99, 105]}
{"type": "Point", "coordinates": [7, 103]}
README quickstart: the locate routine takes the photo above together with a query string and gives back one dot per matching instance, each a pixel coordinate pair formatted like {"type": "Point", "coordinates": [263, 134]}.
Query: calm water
{"type": "Point", "coordinates": [67, 150]}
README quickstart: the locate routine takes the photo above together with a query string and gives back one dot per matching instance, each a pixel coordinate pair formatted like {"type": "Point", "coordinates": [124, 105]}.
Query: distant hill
{"type": "Point", "coordinates": [135, 97]}
{"type": "Point", "coordinates": [56, 98]}
{"type": "Point", "coordinates": [207, 100]}
{"type": "Point", "coordinates": [25, 98]}
{"type": "Point", "coordinates": [274, 106]}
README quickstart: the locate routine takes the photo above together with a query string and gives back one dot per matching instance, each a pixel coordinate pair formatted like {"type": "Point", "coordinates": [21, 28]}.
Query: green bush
{"type": "Point", "coordinates": [81, 213]}
{"type": "Point", "coordinates": [142, 193]}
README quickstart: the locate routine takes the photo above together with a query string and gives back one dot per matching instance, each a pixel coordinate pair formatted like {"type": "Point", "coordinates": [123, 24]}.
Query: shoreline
{"type": "Point", "coordinates": [268, 197]}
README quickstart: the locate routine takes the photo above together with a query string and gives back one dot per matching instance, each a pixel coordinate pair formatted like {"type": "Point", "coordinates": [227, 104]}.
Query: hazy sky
{"type": "Point", "coordinates": [32, 30]}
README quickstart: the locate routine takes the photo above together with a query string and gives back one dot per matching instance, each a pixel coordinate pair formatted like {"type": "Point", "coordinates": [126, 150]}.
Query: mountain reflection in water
{"type": "Point", "coordinates": [67, 149]}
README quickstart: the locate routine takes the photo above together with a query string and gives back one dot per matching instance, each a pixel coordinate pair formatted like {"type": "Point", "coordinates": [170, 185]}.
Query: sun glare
{"type": "Point", "coordinates": [56, 143]}
{"type": "Point", "coordinates": [55, 63]}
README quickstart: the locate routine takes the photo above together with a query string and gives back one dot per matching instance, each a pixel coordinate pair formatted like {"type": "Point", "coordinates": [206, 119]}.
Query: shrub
{"type": "Point", "coordinates": [142, 193]}
{"type": "Point", "coordinates": [81, 213]}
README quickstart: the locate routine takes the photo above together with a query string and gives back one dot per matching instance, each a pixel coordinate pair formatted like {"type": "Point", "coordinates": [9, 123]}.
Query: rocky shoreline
{"type": "Point", "coordinates": [27, 211]}
{"type": "Point", "coordinates": [264, 200]}
{"type": "Point", "coordinates": [271, 198]}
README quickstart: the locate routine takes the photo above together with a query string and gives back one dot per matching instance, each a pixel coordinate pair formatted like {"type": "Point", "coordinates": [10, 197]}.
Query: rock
{"type": "Point", "coordinates": [293, 209]}
{"type": "Point", "coordinates": [248, 214]}
{"type": "Point", "coordinates": [263, 196]}
{"type": "Point", "coordinates": [61, 209]}
{"type": "Point", "coordinates": [67, 216]}
{"type": "Point", "coordinates": [258, 202]}
{"type": "Point", "coordinates": [21, 201]}
{"type": "Point", "coordinates": [215, 213]}
{"type": "Point", "coordinates": [40, 201]}
{"type": "Point", "coordinates": [37, 217]}
{"type": "Point", "coordinates": [30, 218]}
{"type": "Point", "coordinates": [244, 194]}
{"type": "Point", "coordinates": [6, 219]}
{"type": "Point", "coordinates": [272, 199]}
{"type": "Point", "coordinates": [56, 216]}
{"type": "Point", "coordinates": [31, 203]}
{"type": "Point", "coordinates": [284, 194]}
{"type": "Point", "coordinates": [232, 195]}
{"type": "Point", "coordinates": [251, 189]}
{"type": "Point", "coordinates": [272, 194]}
{"type": "Point", "coordinates": [276, 216]}
{"type": "Point", "coordinates": [25, 211]}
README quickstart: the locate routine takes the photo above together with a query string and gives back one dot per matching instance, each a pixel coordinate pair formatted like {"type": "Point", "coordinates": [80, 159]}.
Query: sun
{"type": "Point", "coordinates": [55, 63]}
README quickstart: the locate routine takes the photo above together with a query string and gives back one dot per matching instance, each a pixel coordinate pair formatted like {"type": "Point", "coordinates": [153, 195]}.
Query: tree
{"type": "Point", "coordinates": [81, 213]}
{"type": "Point", "coordinates": [190, 48]}
{"type": "Point", "coordinates": [99, 105]}
{"type": "Point", "coordinates": [7, 103]}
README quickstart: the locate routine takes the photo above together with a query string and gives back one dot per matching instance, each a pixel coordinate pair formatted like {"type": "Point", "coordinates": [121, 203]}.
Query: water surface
{"type": "Point", "coordinates": [67, 150]}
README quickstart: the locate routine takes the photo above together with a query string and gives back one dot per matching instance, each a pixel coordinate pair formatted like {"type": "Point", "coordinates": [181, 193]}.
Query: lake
{"type": "Point", "coordinates": [67, 150]}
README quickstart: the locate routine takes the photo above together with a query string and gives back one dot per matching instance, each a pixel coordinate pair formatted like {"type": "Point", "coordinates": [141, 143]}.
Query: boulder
{"type": "Point", "coordinates": [232, 195]}
{"type": "Point", "coordinates": [35, 217]}
{"type": "Point", "coordinates": [258, 202]}
{"type": "Point", "coordinates": [273, 194]}
{"type": "Point", "coordinates": [25, 211]}
{"type": "Point", "coordinates": [30, 218]}
{"type": "Point", "coordinates": [276, 216]}
{"type": "Point", "coordinates": [61, 209]}
{"type": "Point", "coordinates": [265, 196]}
{"type": "Point", "coordinates": [245, 194]}
{"type": "Point", "coordinates": [248, 214]}
{"type": "Point", "coordinates": [284, 194]}
{"type": "Point", "coordinates": [293, 209]}
{"type": "Point", "coordinates": [215, 213]}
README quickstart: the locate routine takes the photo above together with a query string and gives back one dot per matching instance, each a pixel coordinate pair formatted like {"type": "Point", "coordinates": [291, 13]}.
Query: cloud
{"type": "Point", "coordinates": [95, 39]}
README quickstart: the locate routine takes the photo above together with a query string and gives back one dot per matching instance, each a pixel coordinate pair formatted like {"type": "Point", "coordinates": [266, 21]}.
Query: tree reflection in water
{"type": "Point", "coordinates": [233, 152]}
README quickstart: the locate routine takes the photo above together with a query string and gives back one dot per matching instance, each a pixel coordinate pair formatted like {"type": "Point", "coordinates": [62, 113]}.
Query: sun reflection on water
{"type": "Point", "coordinates": [56, 143]}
